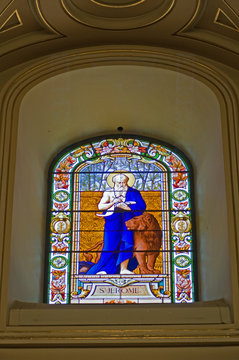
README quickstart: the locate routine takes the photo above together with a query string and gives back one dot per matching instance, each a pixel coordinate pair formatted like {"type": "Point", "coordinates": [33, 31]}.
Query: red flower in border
{"type": "Point", "coordinates": [181, 205]}
{"type": "Point", "coordinates": [184, 284]}
{"type": "Point", "coordinates": [60, 247]}
{"type": "Point", "coordinates": [180, 180]}
{"type": "Point", "coordinates": [175, 163]}
{"type": "Point", "coordinates": [70, 160]}
{"type": "Point", "coordinates": [62, 181]}
{"type": "Point", "coordinates": [57, 290]}
{"type": "Point", "coordinates": [60, 206]}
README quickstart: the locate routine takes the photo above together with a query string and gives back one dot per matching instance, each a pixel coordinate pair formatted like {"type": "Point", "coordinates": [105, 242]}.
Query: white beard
{"type": "Point", "coordinates": [121, 192]}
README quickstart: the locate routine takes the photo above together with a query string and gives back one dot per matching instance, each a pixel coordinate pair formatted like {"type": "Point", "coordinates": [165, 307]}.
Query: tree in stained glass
{"type": "Point", "coordinates": [121, 227]}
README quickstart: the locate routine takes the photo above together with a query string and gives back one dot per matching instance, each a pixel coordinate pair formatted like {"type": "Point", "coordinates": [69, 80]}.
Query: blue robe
{"type": "Point", "coordinates": [118, 241]}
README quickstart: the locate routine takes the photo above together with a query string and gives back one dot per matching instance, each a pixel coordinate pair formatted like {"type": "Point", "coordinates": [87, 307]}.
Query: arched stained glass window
{"type": "Point", "coordinates": [120, 224]}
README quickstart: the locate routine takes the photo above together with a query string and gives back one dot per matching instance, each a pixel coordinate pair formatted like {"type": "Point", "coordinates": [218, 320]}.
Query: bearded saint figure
{"type": "Point", "coordinates": [119, 204]}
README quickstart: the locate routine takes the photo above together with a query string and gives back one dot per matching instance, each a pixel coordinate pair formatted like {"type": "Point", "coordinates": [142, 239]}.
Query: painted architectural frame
{"type": "Point", "coordinates": [81, 237]}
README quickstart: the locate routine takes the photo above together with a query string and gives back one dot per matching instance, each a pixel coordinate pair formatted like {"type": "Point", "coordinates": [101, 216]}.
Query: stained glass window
{"type": "Point", "coordinates": [120, 224]}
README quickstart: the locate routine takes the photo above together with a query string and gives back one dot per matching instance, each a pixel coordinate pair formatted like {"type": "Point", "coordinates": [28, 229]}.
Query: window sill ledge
{"type": "Point", "coordinates": [211, 312]}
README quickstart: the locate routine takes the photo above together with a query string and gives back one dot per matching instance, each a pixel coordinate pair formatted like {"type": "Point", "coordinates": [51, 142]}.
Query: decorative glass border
{"type": "Point", "coordinates": [60, 215]}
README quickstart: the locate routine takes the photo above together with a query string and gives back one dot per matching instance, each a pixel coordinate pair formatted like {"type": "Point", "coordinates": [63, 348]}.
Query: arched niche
{"type": "Point", "coordinates": [44, 99]}
{"type": "Point", "coordinates": [148, 100]}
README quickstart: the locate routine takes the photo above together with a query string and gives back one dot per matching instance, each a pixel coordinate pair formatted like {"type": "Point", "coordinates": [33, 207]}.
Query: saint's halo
{"type": "Point", "coordinates": [123, 172]}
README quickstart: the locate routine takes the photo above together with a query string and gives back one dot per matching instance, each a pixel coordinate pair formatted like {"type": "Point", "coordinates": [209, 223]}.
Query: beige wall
{"type": "Point", "coordinates": [149, 101]}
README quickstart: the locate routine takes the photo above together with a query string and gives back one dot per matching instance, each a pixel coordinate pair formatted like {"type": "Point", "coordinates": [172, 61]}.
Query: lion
{"type": "Point", "coordinates": [147, 241]}
{"type": "Point", "coordinates": [84, 266]}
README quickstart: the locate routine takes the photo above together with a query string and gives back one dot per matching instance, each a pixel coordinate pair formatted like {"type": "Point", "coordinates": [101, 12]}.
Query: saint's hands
{"type": "Point", "coordinates": [123, 206]}
{"type": "Point", "coordinates": [117, 200]}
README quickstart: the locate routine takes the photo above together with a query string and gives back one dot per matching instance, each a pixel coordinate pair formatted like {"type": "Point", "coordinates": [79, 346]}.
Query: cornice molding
{"type": "Point", "coordinates": [39, 28]}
